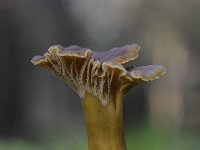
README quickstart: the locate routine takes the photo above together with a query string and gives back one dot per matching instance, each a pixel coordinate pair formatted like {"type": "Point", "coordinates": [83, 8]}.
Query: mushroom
{"type": "Point", "coordinates": [101, 79]}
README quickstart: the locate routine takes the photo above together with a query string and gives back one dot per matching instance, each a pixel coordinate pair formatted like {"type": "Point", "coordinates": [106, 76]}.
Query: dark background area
{"type": "Point", "coordinates": [34, 103]}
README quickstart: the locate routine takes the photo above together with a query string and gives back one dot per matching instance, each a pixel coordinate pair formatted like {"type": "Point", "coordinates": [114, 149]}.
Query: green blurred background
{"type": "Point", "coordinates": [39, 112]}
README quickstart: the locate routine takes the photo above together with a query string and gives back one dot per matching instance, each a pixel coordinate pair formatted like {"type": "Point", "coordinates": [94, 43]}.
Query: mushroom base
{"type": "Point", "coordinates": [104, 123]}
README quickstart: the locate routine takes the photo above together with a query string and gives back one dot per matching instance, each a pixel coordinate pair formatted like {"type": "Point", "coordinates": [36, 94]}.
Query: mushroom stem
{"type": "Point", "coordinates": [104, 122]}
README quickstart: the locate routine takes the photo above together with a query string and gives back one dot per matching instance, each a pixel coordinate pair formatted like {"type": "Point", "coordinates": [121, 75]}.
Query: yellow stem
{"type": "Point", "coordinates": [104, 123]}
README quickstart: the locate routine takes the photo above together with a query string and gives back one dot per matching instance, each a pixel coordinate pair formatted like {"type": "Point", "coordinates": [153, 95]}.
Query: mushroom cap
{"type": "Point", "coordinates": [100, 73]}
{"type": "Point", "coordinates": [120, 55]}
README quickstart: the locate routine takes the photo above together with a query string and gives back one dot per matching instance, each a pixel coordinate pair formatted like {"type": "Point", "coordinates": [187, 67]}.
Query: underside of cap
{"type": "Point", "coordinates": [99, 73]}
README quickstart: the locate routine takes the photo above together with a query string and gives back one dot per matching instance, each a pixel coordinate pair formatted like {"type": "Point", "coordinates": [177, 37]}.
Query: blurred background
{"type": "Point", "coordinates": [37, 111]}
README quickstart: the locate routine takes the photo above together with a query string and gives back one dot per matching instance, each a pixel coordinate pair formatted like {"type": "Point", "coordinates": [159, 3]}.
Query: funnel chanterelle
{"type": "Point", "coordinates": [101, 79]}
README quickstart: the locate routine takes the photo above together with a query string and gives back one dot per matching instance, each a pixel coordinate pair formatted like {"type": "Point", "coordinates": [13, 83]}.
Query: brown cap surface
{"type": "Point", "coordinates": [100, 73]}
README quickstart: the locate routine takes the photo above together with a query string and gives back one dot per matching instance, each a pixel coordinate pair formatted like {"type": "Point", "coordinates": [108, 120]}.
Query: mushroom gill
{"type": "Point", "coordinates": [98, 73]}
